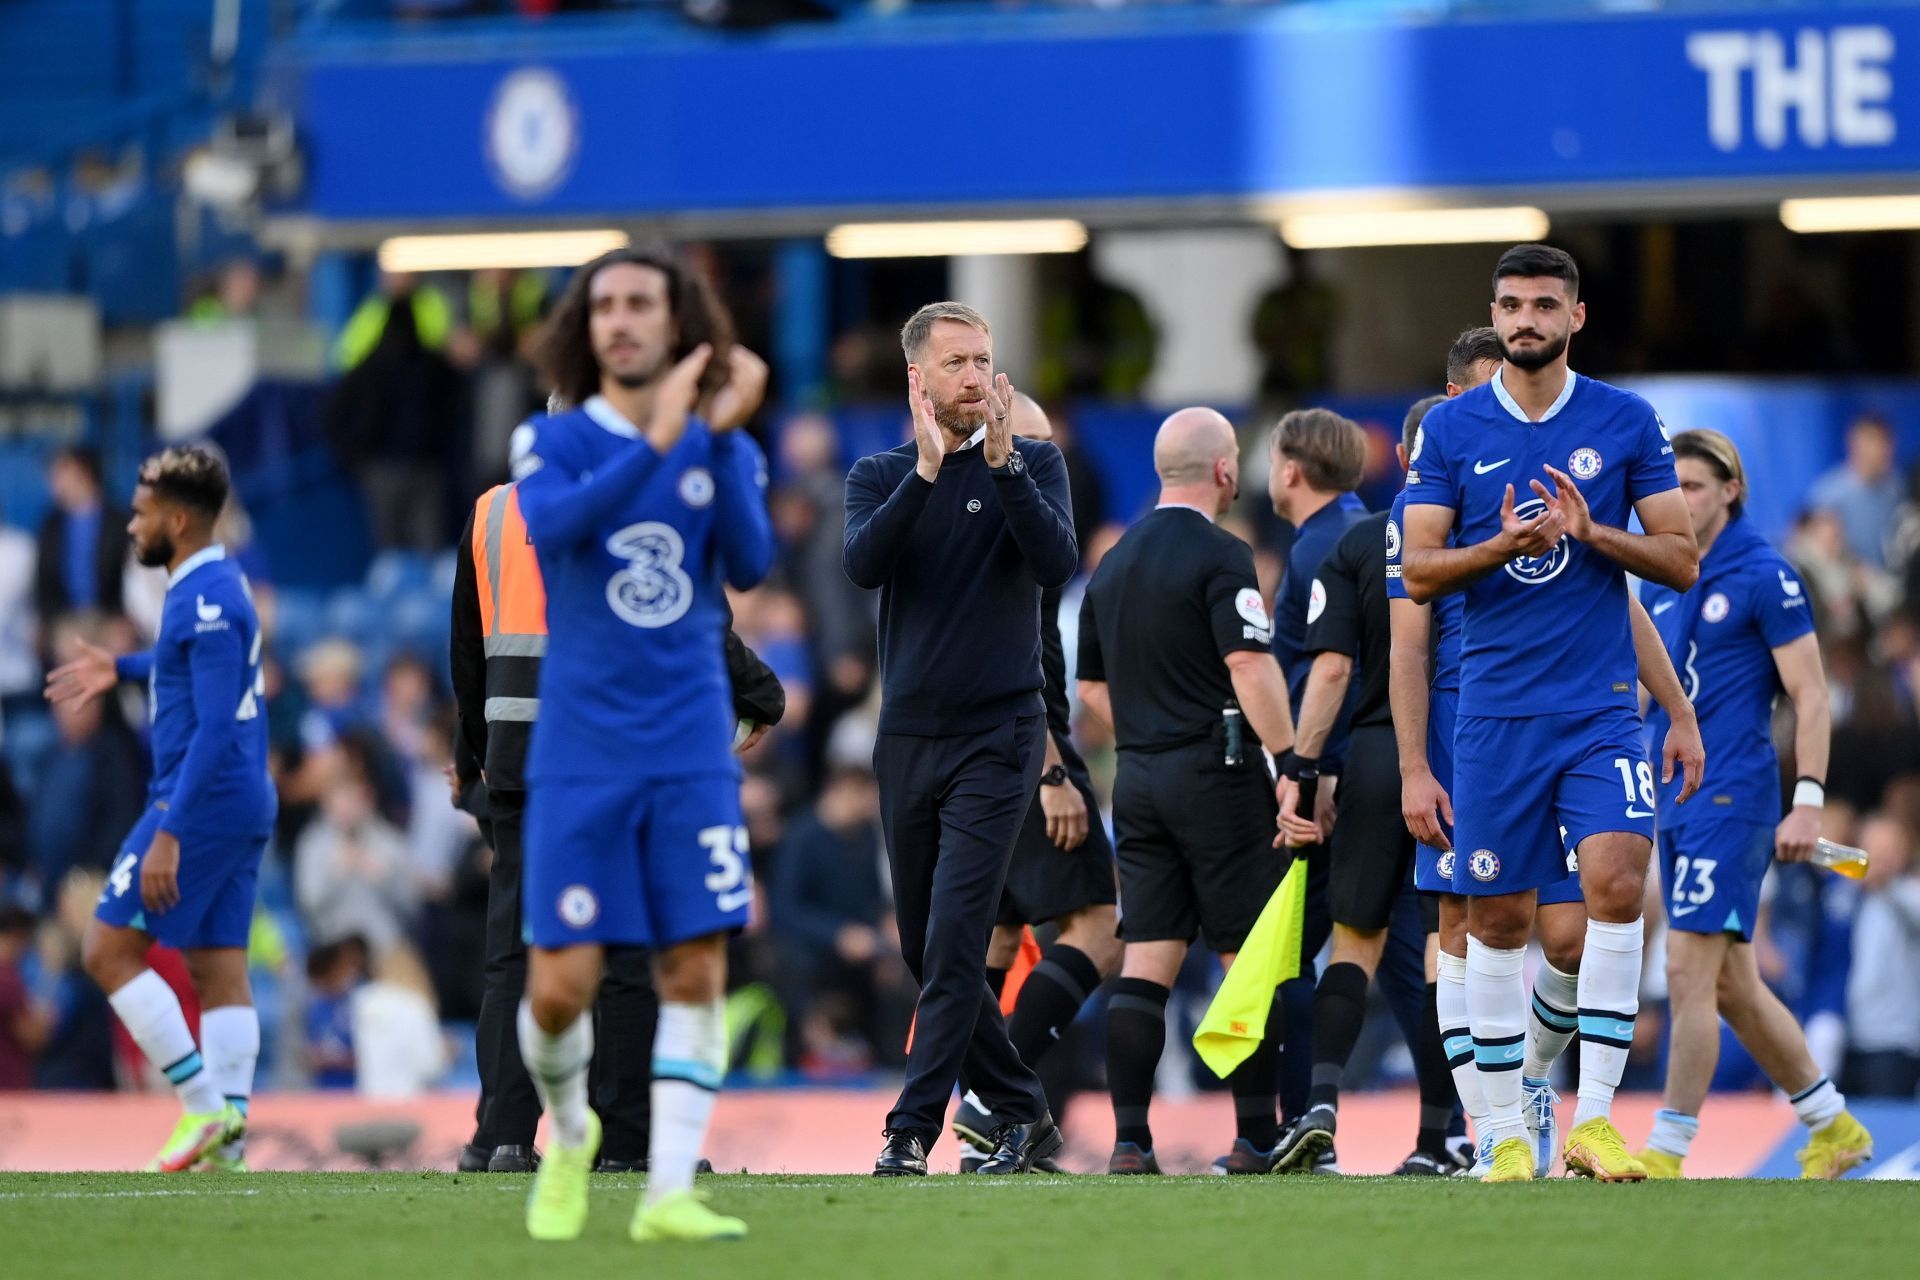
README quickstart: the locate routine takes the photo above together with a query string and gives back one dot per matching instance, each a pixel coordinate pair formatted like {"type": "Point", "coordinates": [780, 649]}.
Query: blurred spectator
{"type": "Point", "coordinates": [235, 295]}
{"type": "Point", "coordinates": [398, 1048]}
{"type": "Point", "coordinates": [432, 318]}
{"type": "Point", "coordinates": [92, 787]}
{"type": "Point", "coordinates": [810, 515]}
{"type": "Point", "coordinates": [25, 1023]}
{"type": "Point", "coordinates": [1852, 595]}
{"type": "Point", "coordinates": [13, 829]}
{"type": "Point", "coordinates": [830, 910]}
{"type": "Point", "coordinates": [79, 1050]}
{"type": "Point", "coordinates": [393, 419]}
{"type": "Point", "coordinates": [503, 308]}
{"type": "Point", "coordinates": [83, 541]}
{"type": "Point", "coordinates": [1883, 992]}
{"type": "Point", "coordinates": [350, 867]}
{"type": "Point", "coordinates": [335, 971]}
{"type": "Point", "coordinates": [1864, 492]}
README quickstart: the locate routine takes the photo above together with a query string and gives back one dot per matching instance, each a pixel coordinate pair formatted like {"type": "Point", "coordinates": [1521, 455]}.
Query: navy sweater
{"type": "Point", "coordinates": [960, 565]}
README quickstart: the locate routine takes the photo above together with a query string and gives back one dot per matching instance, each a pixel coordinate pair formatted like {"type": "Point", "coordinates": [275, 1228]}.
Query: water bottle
{"type": "Point", "coordinates": [1841, 859]}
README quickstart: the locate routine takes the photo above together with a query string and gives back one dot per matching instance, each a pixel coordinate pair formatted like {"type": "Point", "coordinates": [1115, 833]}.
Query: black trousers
{"type": "Point", "coordinates": [621, 1078]}
{"type": "Point", "coordinates": [951, 808]}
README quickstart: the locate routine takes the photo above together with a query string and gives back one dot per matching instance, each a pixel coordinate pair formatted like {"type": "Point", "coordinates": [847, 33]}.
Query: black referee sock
{"type": "Point", "coordinates": [1430, 1067]}
{"type": "Point", "coordinates": [1049, 1001]}
{"type": "Point", "coordinates": [1136, 1036]}
{"type": "Point", "coordinates": [1339, 1008]}
{"type": "Point", "coordinates": [1255, 1090]}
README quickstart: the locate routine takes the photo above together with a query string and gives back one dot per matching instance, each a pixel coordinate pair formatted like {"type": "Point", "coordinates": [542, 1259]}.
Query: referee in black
{"type": "Point", "coordinates": [960, 530]}
{"type": "Point", "coordinates": [495, 659]}
{"type": "Point", "coordinates": [1175, 655]}
{"type": "Point", "coordinates": [1375, 910]}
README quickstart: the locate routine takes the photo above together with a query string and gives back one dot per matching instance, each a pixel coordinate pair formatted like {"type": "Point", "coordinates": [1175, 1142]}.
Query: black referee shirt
{"type": "Point", "coordinates": [1167, 604]}
{"type": "Point", "coordinates": [1353, 581]}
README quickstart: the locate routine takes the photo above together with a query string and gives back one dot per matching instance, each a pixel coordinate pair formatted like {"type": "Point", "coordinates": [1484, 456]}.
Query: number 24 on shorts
{"type": "Point", "coordinates": [726, 848]}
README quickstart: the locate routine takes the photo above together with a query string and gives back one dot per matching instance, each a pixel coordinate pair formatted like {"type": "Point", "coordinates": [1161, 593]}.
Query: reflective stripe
{"type": "Point", "coordinates": [522, 709]}
{"type": "Point", "coordinates": [515, 646]}
{"type": "Point", "coordinates": [496, 520]}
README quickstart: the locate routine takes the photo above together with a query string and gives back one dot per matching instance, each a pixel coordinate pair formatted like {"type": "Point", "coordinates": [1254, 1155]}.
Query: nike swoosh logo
{"type": "Point", "coordinates": [1637, 813]}
{"type": "Point", "coordinates": [1662, 607]}
{"type": "Point", "coordinates": [1481, 468]}
{"type": "Point", "coordinates": [1677, 912]}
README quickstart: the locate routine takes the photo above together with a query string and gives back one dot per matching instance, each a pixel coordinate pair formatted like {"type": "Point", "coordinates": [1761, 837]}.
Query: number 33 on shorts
{"type": "Point", "coordinates": [726, 849]}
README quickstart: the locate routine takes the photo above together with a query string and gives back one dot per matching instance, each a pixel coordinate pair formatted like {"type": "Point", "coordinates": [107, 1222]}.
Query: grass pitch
{"type": "Point", "coordinates": [292, 1226]}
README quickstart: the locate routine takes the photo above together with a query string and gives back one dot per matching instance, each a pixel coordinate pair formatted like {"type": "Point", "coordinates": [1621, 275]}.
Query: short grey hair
{"type": "Point", "coordinates": [919, 326]}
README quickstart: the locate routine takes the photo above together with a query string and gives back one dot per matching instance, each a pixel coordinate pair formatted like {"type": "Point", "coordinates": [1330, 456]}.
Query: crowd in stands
{"type": "Point", "coordinates": [367, 940]}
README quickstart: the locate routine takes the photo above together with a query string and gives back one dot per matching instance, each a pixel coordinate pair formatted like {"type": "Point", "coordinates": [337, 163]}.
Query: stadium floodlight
{"type": "Point", "coordinates": [955, 239]}
{"type": "Point", "coordinates": [496, 249]}
{"type": "Point", "coordinates": [1851, 213]}
{"type": "Point", "coordinates": [1357, 228]}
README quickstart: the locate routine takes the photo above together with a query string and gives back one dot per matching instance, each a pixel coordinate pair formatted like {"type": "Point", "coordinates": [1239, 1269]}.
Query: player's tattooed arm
{"type": "Point", "coordinates": [1429, 568]}
{"type": "Point", "coordinates": [1666, 553]}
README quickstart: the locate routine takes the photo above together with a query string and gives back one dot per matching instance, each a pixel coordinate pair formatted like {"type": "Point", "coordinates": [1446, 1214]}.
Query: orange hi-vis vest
{"type": "Point", "coordinates": [513, 618]}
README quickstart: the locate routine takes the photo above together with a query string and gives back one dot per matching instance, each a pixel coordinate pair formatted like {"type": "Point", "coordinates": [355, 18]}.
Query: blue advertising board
{"type": "Point", "coordinates": [1171, 109]}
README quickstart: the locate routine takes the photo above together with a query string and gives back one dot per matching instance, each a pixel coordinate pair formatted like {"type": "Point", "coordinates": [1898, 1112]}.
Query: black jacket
{"type": "Point", "coordinates": [50, 598]}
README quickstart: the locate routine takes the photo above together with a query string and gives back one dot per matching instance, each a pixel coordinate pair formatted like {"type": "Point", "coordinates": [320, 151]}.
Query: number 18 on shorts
{"type": "Point", "coordinates": [1519, 781]}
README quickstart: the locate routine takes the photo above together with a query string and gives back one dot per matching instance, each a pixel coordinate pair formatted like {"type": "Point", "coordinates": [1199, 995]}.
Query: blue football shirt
{"type": "Point", "coordinates": [1547, 634]}
{"type": "Point", "coordinates": [635, 550]}
{"type": "Point", "coordinates": [1721, 634]}
{"type": "Point", "coordinates": [207, 698]}
{"type": "Point", "coordinates": [1447, 612]}
{"type": "Point", "coordinates": [1299, 600]}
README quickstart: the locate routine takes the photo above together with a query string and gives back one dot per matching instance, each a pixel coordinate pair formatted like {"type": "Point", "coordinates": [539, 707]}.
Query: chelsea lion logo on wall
{"type": "Point", "coordinates": [532, 133]}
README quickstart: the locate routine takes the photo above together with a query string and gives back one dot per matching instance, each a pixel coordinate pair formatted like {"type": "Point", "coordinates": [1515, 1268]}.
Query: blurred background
{"type": "Point", "coordinates": [320, 232]}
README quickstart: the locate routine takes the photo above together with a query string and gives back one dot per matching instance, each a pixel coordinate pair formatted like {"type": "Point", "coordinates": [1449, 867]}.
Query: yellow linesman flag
{"type": "Point", "coordinates": [1237, 1018]}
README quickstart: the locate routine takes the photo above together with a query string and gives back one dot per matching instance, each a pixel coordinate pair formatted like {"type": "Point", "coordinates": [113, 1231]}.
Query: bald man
{"type": "Point", "coordinates": [1175, 655]}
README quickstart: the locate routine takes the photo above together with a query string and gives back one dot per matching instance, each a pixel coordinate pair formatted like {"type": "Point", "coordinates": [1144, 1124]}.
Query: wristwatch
{"type": "Point", "coordinates": [1056, 776]}
{"type": "Point", "coordinates": [1016, 465]}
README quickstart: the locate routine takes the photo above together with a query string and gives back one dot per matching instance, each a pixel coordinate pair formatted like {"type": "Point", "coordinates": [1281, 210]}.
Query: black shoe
{"type": "Point", "coordinates": [1422, 1165]}
{"type": "Point", "coordinates": [1303, 1142]}
{"type": "Point", "coordinates": [604, 1165]}
{"type": "Point", "coordinates": [904, 1156]}
{"type": "Point", "coordinates": [1244, 1158]}
{"type": "Point", "coordinates": [1129, 1160]}
{"type": "Point", "coordinates": [473, 1159]}
{"type": "Point", "coordinates": [513, 1159]}
{"type": "Point", "coordinates": [974, 1125]}
{"type": "Point", "coordinates": [1328, 1163]}
{"type": "Point", "coordinates": [1460, 1152]}
{"type": "Point", "coordinates": [1018, 1147]}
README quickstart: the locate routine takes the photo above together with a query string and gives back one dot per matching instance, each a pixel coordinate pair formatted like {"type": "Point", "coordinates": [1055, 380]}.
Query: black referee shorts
{"type": "Point", "coordinates": [1046, 882]}
{"type": "Point", "coordinates": [1371, 859]}
{"type": "Point", "coordinates": [1195, 842]}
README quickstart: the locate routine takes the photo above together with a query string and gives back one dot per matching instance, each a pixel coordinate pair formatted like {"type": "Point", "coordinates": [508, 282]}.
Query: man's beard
{"type": "Point", "coordinates": [634, 379]}
{"type": "Point", "coordinates": [155, 551]}
{"type": "Point", "coordinates": [950, 417]}
{"type": "Point", "coordinates": [1536, 358]}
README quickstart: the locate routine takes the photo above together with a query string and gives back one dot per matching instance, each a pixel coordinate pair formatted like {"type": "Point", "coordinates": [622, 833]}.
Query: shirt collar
{"type": "Point", "coordinates": [973, 440]}
{"type": "Point", "coordinates": [1512, 406]}
{"type": "Point", "coordinates": [205, 555]}
{"type": "Point", "coordinates": [1183, 506]}
{"type": "Point", "coordinates": [601, 411]}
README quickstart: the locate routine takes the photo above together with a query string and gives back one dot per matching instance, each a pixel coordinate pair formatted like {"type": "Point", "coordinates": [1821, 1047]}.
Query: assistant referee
{"type": "Point", "coordinates": [1175, 655]}
{"type": "Point", "coordinates": [960, 530]}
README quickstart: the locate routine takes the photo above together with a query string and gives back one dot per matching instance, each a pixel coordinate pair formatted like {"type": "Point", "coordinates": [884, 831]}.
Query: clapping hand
{"type": "Point", "coordinates": [998, 445]}
{"type": "Point", "coordinates": [926, 430]}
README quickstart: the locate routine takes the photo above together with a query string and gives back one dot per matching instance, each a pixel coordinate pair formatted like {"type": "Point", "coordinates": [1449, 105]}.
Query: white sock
{"type": "Point", "coordinates": [1497, 1008]}
{"type": "Point", "coordinates": [1450, 998]}
{"type": "Point", "coordinates": [1609, 1001]}
{"type": "Point", "coordinates": [1818, 1104]}
{"type": "Point", "coordinates": [1673, 1132]}
{"type": "Point", "coordinates": [230, 1041]}
{"type": "Point", "coordinates": [152, 1015]}
{"type": "Point", "coordinates": [689, 1061]}
{"type": "Point", "coordinates": [1553, 1020]}
{"type": "Point", "coordinates": [558, 1065]}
